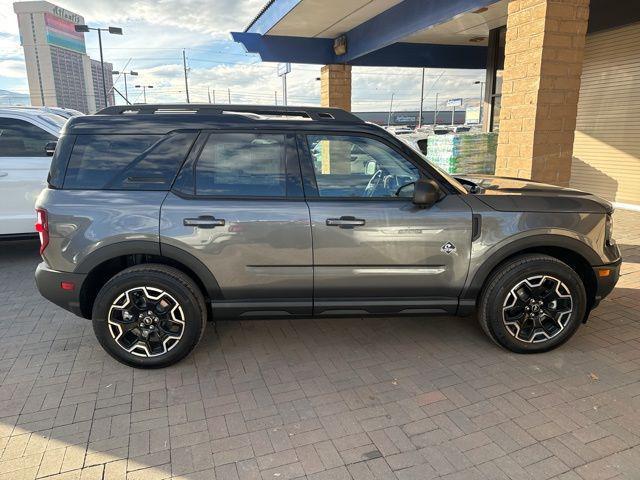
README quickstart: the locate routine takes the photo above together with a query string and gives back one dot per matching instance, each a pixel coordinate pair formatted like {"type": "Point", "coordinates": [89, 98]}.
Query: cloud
{"type": "Point", "coordinates": [210, 17]}
{"type": "Point", "coordinates": [13, 68]}
{"type": "Point", "coordinates": [156, 31]}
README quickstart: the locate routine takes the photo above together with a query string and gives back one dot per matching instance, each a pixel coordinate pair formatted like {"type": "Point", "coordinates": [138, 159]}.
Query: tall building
{"type": "Point", "coordinates": [59, 71]}
{"type": "Point", "coordinates": [98, 91]}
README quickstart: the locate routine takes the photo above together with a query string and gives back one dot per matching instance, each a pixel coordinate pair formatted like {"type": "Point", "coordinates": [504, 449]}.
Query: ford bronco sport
{"type": "Point", "coordinates": [157, 218]}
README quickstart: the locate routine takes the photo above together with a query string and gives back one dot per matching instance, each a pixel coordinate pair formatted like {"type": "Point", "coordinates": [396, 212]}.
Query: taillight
{"type": "Point", "coordinates": [42, 227]}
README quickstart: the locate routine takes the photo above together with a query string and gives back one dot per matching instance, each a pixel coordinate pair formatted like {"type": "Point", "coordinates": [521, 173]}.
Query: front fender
{"type": "Point", "coordinates": [487, 260]}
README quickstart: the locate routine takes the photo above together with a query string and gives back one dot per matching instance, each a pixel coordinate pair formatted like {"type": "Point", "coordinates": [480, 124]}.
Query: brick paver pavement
{"type": "Point", "coordinates": [406, 398]}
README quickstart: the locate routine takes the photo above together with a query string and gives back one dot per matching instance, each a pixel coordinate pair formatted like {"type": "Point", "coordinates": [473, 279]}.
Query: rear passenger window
{"type": "Point", "coordinates": [242, 164]}
{"type": "Point", "coordinates": [126, 162]}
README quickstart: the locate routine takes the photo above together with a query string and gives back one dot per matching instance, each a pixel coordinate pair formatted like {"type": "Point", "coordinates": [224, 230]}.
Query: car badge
{"type": "Point", "coordinates": [448, 248]}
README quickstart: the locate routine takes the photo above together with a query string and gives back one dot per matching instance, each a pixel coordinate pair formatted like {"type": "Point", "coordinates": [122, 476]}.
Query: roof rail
{"type": "Point", "coordinates": [310, 113]}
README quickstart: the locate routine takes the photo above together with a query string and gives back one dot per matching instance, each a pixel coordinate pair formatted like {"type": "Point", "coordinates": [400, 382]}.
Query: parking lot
{"type": "Point", "coordinates": [408, 398]}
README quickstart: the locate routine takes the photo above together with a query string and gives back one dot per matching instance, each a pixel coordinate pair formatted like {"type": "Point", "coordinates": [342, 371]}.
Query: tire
{"type": "Point", "coordinates": [149, 316]}
{"type": "Point", "coordinates": [516, 308]}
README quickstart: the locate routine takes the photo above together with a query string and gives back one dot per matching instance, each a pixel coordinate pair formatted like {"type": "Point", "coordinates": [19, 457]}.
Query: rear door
{"type": "Point", "coordinates": [24, 165]}
{"type": "Point", "coordinates": [374, 250]}
{"type": "Point", "coordinates": [238, 207]}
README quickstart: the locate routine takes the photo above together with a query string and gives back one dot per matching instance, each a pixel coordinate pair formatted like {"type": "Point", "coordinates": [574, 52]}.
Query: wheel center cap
{"type": "Point", "coordinates": [535, 308]}
{"type": "Point", "coordinates": [148, 320]}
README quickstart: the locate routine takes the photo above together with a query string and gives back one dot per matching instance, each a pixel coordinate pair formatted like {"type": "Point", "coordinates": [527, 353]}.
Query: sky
{"type": "Point", "coordinates": [156, 31]}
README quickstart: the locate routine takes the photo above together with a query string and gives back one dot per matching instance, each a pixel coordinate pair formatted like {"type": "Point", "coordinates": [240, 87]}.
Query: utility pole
{"type": "Point", "coordinates": [229, 93]}
{"type": "Point", "coordinates": [390, 110]}
{"type": "Point", "coordinates": [209, 93]}
{"type": "Point", "coordinates": [421, 100]}
{"type": "Point", "coordinates": [186, 82]}
{"type": "Point", "coordinates": [275, 97]}
{"type": "Point", "coordinates": [214, 95]}
{"type": "Point", "coordinates": [435, 113]}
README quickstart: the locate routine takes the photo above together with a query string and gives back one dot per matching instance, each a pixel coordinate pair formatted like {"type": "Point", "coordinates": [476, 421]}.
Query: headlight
{"type": "Point", "coordinates": [608, 231]}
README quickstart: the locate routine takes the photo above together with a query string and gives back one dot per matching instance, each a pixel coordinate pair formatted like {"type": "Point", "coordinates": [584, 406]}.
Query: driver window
{"type": "Point", "coordinates": [360, 167]}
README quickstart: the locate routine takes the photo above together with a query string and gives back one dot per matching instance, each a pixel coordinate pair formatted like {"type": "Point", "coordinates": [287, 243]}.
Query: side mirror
{"type": "Point", "coordinates": [426, 192]}
{"type": "Point", "coordinates": [50, 148]}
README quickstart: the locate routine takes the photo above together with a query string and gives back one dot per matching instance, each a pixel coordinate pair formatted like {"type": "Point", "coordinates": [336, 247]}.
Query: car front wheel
{"type": "Point", "coordinates": [532, 303]}
{"type": "Point", "coordinates": [149, 316]}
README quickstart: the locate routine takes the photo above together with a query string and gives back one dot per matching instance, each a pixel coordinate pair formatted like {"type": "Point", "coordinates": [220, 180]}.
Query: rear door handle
{"type": "Point", "coordinates": [204, 221]}
{"type": "Point", "coordinates": [345, 222]}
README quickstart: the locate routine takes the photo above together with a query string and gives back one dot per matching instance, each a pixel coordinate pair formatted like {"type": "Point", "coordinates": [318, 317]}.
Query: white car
{"type": "Point", "coordinates": [27, 141]}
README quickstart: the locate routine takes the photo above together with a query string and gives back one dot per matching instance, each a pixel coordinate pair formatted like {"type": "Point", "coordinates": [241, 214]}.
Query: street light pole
{"type": "Point", "coordinates": [124, 74]}
{"type": "Point", "coordinates": [111, 30]}
{"type": "Point", "coordinates": [104, 82]}
{"type": "Point", "coordinates": [144, 91]}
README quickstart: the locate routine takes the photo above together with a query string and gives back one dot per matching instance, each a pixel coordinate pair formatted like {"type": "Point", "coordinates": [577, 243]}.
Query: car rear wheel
{"type": "Point", "coordinates": [532, 303]}
{"type": "Point", "coordinates": [149, 316]}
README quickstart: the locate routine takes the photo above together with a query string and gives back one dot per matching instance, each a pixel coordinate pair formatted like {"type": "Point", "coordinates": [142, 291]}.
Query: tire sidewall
{"type": "Point", "coordinates": [128, 280]}
{"type": "Point", "coordinates": [499, 291]}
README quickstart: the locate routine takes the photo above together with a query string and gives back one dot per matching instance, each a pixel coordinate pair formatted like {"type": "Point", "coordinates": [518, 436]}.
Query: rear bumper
{"type": "Point", "coordinates": [49, 283]}
{"type": "Point", "coordinates": [606, 278]}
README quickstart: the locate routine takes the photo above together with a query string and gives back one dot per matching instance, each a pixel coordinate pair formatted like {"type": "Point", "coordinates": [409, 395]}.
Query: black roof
{"type": "Point", "coordinates": [163, 118]}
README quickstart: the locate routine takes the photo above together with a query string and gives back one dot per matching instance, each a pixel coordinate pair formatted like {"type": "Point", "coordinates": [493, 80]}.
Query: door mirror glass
{"type": "Point", "coordinates": [50, 148]}
{"type": "Point", "coordinates": [426, 192]}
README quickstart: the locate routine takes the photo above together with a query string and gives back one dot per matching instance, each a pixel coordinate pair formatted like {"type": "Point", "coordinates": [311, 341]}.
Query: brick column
{"type": "Point", "coordinates": [543, 62]}
{"type": "Point", "coordinates": [335, 86]}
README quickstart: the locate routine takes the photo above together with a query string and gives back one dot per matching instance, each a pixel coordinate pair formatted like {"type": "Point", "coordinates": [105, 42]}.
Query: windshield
{"type": "Point", "coordinates": [440, 170]}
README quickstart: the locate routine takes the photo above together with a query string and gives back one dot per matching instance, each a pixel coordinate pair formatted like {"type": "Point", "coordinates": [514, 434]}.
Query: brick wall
{"type": "Point", "coordinates": [543, 61]}
{"type": "Point", "coordinates": [335, 86]}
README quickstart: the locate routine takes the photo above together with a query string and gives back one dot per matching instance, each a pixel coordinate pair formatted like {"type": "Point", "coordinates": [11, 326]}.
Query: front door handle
{"type": "Point", "coordinates": [203, 221]}
{"type": "Point", "coordinates": [345, 222]}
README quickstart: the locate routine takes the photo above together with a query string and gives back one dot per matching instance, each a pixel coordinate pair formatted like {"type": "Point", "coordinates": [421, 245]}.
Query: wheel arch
{"type": "Point", "coordinates": [107, 261]}
{"type": "Point", "coordinates": [571, 251]}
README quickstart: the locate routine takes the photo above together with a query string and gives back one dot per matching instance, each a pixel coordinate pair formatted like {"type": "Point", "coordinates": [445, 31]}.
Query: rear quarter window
{"type": "Point", "coordinates": [126, 162]}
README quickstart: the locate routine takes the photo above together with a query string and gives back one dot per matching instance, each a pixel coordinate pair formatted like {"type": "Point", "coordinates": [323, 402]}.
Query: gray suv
{"type": "Point", "coordinates": [158, 218]}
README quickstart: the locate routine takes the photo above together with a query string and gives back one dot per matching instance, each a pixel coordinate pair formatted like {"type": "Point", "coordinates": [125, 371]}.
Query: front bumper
{"type": "Point", "coordinates": [606, 278]}
{"type": "Point", "coordinates": [49, 283]}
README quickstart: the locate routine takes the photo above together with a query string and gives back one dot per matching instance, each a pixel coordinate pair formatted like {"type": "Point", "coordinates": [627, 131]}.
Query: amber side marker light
{"type": "Point", "coordinates": [605, 272]}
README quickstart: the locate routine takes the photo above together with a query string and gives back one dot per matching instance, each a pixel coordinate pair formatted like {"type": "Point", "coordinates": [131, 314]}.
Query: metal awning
{"type": "Point", "coordinates": [416, 33]}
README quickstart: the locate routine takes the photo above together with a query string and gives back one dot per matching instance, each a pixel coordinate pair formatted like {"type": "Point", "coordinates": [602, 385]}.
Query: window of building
{"type": "Point", "coordinates": [361, 167]}
{"type": "Point", "coordinates": [19, 138]}
{"type": "Point", "coordinates": [242, 164]}
{"type": "Point", "coordinates": [126, 162]}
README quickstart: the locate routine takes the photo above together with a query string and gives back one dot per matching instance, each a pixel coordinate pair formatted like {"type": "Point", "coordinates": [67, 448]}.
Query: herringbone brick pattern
{"type": "Point", "coordinates": [323, 399]}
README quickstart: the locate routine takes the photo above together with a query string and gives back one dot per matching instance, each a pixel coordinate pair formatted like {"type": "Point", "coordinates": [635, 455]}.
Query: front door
{"type": "Point", "coordinates": [24, 165]}
{"type": "Point", "coordinates": [374, 250]}
{"type": "Point", "coordinates": [241, 212]}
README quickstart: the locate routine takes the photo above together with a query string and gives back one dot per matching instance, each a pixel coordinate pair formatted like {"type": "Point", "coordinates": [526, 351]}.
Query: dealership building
{"type": "Point", "coordinates": [59, 71]}
{"type": "Point", "coordinates": [562, 76]}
